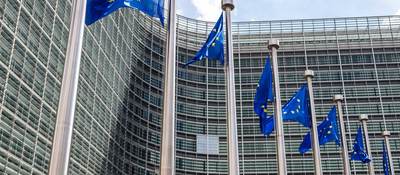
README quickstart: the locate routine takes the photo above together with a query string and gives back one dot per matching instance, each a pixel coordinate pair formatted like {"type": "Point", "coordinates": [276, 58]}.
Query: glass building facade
{"type": "Point", "coordinates": [119, 107]}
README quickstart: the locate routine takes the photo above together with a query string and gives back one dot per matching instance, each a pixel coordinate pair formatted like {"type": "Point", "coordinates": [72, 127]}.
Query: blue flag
{"type": "Point", "coordinates": [267, 124]}
{"type": "Point", "coordinates": [264, 92]}
{"type": "Point", "coordinates": [386, 165]}
{"type": "Point", "coordinates": [298, 108]}
{"type": "Point", "coordinates": [327, 132]}
{"type": "Point", "coordinates": [358, 149]}
{"type": "Point", "coordinates": [264, 95]}
{"type": "Point", "coordinates": [97, 9]}
{"type": "Point", "coordinates": [213, 48]}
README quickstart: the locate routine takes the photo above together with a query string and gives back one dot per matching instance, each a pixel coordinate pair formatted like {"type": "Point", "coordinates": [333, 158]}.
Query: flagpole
{"type": "Point", "coordinates": [363, 119]}
{"type": "Point", "coordinates": [309, 74]}
{"type": "Point", "coordinates": [345, 153]}
{"type": "Point", "coordinates": [67, 102]}
{"type": "Point", "coordinates": [233, 154]}
{"type": "Point", "coordinates": [386, 135]}
{"type": "Point", "coordinates": [273, 45]}
{"type": "Point", "coordinates": [167, 165]}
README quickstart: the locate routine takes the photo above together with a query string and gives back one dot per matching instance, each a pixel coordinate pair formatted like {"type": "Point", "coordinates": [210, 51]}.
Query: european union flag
{"type": "Point", "coordinates": [267, 124]}
{"type": "Point", "coordinates": [213, 48]}
{"type": "Point", "coordinates": [298, 108]}
{"type": "Point", "coordinates": [264, 95]}
{"type": "Point", "coordinates": [358, 149]}
{"type": "Point", "coordinates": [97, 9]}
{"type": "Point", "coordinates": [386, 165]}
{"type": "Point", "coordinates": [264, 92]}
{"type": "Point", "coordinates": [327, 131]}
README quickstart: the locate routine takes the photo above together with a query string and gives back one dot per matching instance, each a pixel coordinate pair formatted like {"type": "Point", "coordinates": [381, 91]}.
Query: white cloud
{"type": "Point", "coordinates": [208, 10]}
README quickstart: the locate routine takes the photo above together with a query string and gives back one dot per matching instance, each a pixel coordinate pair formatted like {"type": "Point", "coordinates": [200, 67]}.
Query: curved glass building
{"type": "Point", "coordinates": [119, 107]}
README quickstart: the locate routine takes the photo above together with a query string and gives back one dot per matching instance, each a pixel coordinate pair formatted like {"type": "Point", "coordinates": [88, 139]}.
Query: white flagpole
{"type": "Point", "coordinates": [273, 45]}
{"type": "Point", "coordinates": [66, 105]}
{"type": "Point", "coordinates": [233, 153]}
{"type": "Point", "coordinates": [345, 153]}
{"type": "Point", "coordinates": [363, 119]}
{"type": "Point", "coordinates": [386, 135]}
{"type": "Point", "coordinates": [167, 166]}
{"type": "Point", "coordinates": [309, 74]}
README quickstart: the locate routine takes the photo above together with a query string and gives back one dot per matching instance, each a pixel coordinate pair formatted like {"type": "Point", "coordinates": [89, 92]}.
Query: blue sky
{"type": "Point", "coordinates": [256, 10]}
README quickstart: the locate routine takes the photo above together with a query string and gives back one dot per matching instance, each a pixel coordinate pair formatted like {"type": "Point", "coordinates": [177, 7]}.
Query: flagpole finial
{"type": "Point", "coordinates": [227, 4]}
{"type": "Point", "coordinates": [385, 133]}
{"type": "Point", "coordinates": [337, 98]}
{"type": "Point", "coordinates": [273, 43]}
{"type": "Point", "coordinates": [308, 73]}
{"type": "Point", "coordinates": [363, 117]}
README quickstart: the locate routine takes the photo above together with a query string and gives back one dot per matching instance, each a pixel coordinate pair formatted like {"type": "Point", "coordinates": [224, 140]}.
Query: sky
{"type": "Point", "coordinates": [261, 10]}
